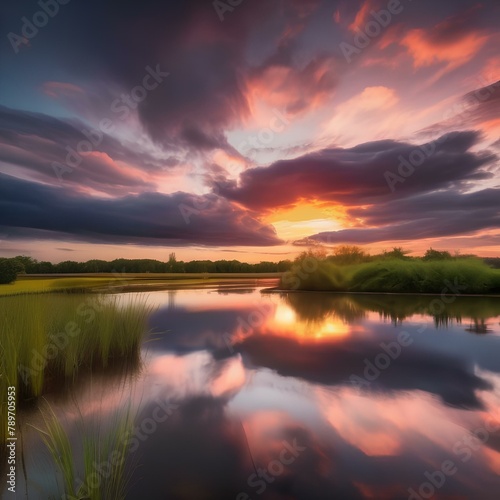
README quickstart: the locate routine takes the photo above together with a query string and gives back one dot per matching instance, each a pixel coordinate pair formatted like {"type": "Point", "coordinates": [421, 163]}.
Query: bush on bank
{"type": "Point", "coordinates": [469, 276]}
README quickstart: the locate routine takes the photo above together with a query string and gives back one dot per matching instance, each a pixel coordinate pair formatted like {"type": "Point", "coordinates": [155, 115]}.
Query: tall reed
{"type": "Point", "coordinates": [46, 340]}
{"type": "Point", "coordinates": [98, 472]}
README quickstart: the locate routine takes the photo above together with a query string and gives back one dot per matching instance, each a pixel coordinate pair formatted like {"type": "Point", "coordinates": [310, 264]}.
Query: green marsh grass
{"type": "Point", "coordinates": [101, 463]}
{"type": "Point", "coordinates": [31, 285]}
{"type": "Point", "coordinates": [47, 340]}
{"type": "Point", "coordinates": [397, 276]}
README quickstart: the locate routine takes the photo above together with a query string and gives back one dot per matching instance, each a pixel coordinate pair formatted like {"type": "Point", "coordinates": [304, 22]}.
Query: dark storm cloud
{"type": "Point", "coordinates": [31, 210]}
{"type": "Point", "coordinates": [356, 176]}
{"type": "Point", "coordinates": [473, 110]}
{"type": "Point", "coordinates": [432, 215]}
{"type": "Point", "coordinates": [485, 203]}
{"type": "Point", "coordinates": [484, 103]}
{"type": "Point", "coordinates": [455, 27]}
{"type": "Point", "coordinates": [205, 92]}
{"type": "Point", "coordinates": [34, 142]}
{"type": "Point", "coordinates": [118, 39]}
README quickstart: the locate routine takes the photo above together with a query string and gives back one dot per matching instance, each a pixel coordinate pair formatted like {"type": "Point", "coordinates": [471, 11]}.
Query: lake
{"type": "Point", "coordinates": [246, 395]}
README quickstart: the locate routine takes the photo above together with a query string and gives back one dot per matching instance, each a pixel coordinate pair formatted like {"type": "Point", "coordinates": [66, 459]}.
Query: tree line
{"type": "Point", "coordinates": [29, 265]}
{"type": "Point", "coordinates": [342, 255]}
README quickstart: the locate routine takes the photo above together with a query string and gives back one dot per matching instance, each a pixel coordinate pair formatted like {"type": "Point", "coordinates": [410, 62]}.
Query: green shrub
{"type": "Point", "coordinates": [8, 271]}
{"type": "Point", "coordinates": [48, 339]}
{"type": "Point", "coordinates": [432, 254]}
{"type": "Point", "coordinates": [469, 276]}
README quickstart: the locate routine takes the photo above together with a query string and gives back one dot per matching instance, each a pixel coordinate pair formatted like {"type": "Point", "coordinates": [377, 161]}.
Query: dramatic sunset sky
{"type": "Point", "coordinates": [133, 129]}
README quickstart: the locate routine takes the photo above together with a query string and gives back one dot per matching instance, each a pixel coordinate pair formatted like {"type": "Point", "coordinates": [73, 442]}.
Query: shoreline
{"type": "Point", "coordinates": [411, 294]}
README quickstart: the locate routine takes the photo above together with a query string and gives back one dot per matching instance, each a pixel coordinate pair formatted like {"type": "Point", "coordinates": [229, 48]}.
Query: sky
{"type": "Point", "coordinates": [248, 130]}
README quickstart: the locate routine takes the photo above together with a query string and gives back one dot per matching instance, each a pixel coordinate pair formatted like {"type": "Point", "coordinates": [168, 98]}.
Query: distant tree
{"type": "Point", "coordinates": [246, 268]}
{"type": "Point", "coordinates": [201, 266]}
{"type": "Point", "coordinates": [69, 267]}
{"type": "Point", "coordinates": [349, 254]}
{"type": "Point", "coordinates": [95, 266]}
{"type": "Point", "coordinates": [18, 266]}
{"type": "Point", "coordinates": [180, 267]}
{"type": "Point", "coordinates": [396, 253]}
{"type": "Point", "coordinates": [29, 264]}
{"type": "Point", "coordinates": [316, 254]}
{"type": "Point", "coordinates": [32, 266]}
{"type": "Point", "coordinates": [43, 268]}
{"type": "Point", "coordinates": [171, 266]}
{"type": "Point", "coordinates": [432, 254]}
{"type": "Point", "coordinates": [8, 273]}
{"type": "Point", "coordinates": [284, 265]}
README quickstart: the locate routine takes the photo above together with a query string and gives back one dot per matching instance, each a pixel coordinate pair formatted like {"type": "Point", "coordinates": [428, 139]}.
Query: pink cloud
{"type": "Point", "coordinates": [294, 90]}
{"type": "Point", "coordinates": [363, 13]}
{"type": "Point", "coordinates": [451, 43]}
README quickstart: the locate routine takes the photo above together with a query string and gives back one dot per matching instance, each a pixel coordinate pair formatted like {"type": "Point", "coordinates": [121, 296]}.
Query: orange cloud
{"type": "Point", "coordinates": [391, 35]}
{"type": "Point", "coordinates": [290, 89]}
{"type": "Point", "coordinates": [426, 53]}
{"type": "Point", "coordinates": [491, 128]}
{"type": "Point", "coordinates": [372, 109]}
{"type": "Point", "coordinates": [491, 71]}
{"type": "Point", "coordinates": [362, 15]}
{"type": "Point", "coordinates": [451, 42]}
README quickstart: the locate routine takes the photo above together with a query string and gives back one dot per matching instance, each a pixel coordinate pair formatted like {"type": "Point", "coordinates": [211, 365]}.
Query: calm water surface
{"type": "Point", "coordinates": [245, 395]}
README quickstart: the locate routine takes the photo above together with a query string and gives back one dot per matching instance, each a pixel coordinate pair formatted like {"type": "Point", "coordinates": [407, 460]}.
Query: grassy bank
{"type": "Point", "coordinates": [32, 284]}
{"type": "Point", "coordinates": [469, 276]}
{"type": "Point", "coordinates": [48, 339]}
{"type": "Point", "coordinates": [29, 285]}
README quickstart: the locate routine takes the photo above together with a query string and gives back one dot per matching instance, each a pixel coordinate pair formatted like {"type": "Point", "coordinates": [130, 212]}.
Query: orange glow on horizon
{"type": "Point", "coordinates": [305, 216]}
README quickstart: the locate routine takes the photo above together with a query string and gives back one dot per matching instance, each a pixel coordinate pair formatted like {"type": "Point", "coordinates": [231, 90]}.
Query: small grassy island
{"type": "Point", "coordinates": [350, 269]}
